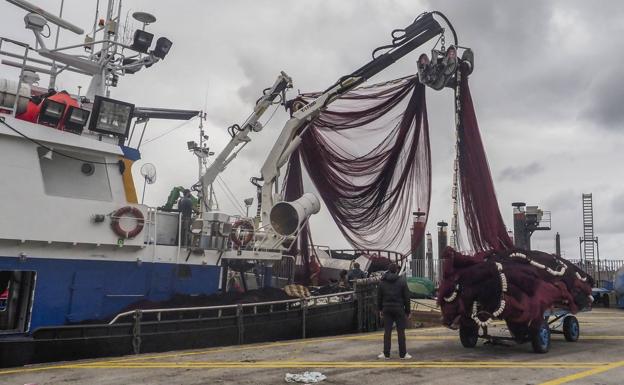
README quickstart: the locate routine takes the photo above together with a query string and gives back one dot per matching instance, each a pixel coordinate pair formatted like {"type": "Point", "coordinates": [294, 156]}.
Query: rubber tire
{"type": "Point", "coordinates": [571, 329]}
{"type": "Point", "coordinates": [469, 336]}
{"type": "Point", "coordinates": [541, 339]}
{"type": "Point", "coordinates": [605, 300]}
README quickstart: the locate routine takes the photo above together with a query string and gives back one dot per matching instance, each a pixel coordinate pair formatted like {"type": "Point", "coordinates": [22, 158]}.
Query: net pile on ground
{"type": "Point", "coordinates": [368, 156]}
{"type": "Point", "coordinates": [514, 285]}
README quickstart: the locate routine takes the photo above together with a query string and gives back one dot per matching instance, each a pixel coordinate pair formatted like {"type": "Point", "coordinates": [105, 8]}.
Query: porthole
{"type": "Point", "coordinates": [87, 168]}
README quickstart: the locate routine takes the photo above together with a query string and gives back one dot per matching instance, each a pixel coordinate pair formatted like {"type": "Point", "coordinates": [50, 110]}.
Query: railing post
{"type": "Point", "coordinates": [136, 332]}
{"type": "Point", "coordinates": [304, 312]}
{"type": "Point", "coordinates": [241, 326]}
{"type": "Point", "coordinates": [359, 303]}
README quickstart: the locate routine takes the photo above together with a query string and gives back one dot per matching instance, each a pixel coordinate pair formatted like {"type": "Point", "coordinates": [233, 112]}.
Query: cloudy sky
{"type": "Point", "coordinates": [547, 88]}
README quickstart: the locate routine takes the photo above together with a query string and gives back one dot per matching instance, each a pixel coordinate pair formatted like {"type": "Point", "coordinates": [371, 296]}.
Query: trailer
{"type": "Point", "coordinates": [556, 321]}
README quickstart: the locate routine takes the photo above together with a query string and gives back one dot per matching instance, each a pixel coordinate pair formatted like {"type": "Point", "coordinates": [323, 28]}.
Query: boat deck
{"type": "Point", "coordinates": [438, 358]}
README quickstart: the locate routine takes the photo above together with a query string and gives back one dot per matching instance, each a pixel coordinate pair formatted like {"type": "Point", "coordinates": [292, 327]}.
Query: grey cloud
{"type": "Point", "coordinates": [519, 173]}
{"type": "Point", "coordinates": [546, 74]}
{"type": "Point", "coordinates": [605, 101]}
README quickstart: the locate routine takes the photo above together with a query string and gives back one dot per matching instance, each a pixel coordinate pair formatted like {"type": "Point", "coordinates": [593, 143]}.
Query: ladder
{"type": "Point", "coordinates": [588, 229]}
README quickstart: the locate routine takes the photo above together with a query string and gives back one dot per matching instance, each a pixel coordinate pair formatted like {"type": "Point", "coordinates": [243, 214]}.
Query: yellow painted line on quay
{"type": "Point", "coordinates": [584, 374]}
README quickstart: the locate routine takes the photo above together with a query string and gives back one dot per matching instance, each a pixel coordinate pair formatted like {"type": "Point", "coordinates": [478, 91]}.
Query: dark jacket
{"type": "Point", "coordinates": [393, 293]}
{"type": "Point", "coordinates": [356, 274]}
{"type": "Point", "coordinates": [185, 205]}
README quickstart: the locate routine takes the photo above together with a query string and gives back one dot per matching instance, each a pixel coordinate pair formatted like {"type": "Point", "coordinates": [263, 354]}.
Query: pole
{"type": "Point", "coordinates": [52, 83]}
{"type": "Point", "coordinates": [144, 186]}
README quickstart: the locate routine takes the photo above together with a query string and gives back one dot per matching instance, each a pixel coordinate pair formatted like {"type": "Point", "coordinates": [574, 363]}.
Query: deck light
{"type": "Point", "coordinates": [163, 45]}
{"type": "Point", "coordinates": [51, 112]}
{"type": "Point", "coordinates": [111, 116]}
{"type": "Point", "coordinates": [76, 119]}
{"type": "Point", "coordinates": [142, 41]}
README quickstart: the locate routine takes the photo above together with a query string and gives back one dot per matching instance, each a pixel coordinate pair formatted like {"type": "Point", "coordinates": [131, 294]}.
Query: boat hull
{"type": "Point", "coordinates": [231, 328]}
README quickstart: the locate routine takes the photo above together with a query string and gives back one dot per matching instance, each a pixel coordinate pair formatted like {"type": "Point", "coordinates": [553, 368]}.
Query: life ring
{"type": "Point", "coordinates": [136, 213]}
{"type": "Point", "coordinates": [237, 227]}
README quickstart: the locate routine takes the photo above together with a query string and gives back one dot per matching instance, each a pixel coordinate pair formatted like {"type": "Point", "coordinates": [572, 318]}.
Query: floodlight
{"type": "Point", "coordinates": [76, 119]}
{"type": "Point", "coordinates": [51, 112]}
{"type": "Point", "coordinates": [111, 116]}
{"type": "Point", "coordinates": [163, 45]}
{"type": "Point", "coordinates": [142, 41]}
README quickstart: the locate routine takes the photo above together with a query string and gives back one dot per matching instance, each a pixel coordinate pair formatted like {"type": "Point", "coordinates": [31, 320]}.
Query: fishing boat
{"type": "Point", "coordinates": [86, 270]}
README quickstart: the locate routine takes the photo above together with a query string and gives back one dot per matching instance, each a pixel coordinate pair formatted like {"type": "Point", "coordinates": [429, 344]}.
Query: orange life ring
{"type": "Point", "coordinates": [240, 225]}
{"type": "Point", "coordinates": [136, 213]}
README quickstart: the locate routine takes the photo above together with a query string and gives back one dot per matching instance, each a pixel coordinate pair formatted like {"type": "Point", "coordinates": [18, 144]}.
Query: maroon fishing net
{"type": "Point", "coordinates": [486, 229]}
{"type": "Point", "coordinates": [368, 156]}
{"type": "Point", "coordinates": [515, 285]}
{"type": "Point", "coordinates": [499, 282]}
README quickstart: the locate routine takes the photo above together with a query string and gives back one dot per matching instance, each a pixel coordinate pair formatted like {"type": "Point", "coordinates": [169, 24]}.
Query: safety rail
{"type": "Point", "coordinates": [430, 268]}
{"type": "Point", "coordinates": [23, 66]}
{"type": "Point", "coordinates": [601, 270]}
{"type": "Point", "coordinates": [299, 302]}
{"type": "Point", "coordinates": [394, 256]}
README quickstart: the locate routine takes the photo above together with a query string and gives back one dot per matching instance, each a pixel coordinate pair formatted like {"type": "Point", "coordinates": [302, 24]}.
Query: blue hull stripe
{"type": "Point", "coordinates": [71, 291]}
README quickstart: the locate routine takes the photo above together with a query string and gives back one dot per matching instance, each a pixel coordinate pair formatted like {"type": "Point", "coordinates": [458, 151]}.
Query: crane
{"type": "Point", "coordinates": [273, 213]}
{"type": "Point", "coordinates": [240, 135]}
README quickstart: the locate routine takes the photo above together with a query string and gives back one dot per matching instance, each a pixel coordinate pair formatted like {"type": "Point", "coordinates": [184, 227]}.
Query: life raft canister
{"type": "Point", "coordinates": [136, 213]}
{"type": "Point", "coordinates": [239, 226]}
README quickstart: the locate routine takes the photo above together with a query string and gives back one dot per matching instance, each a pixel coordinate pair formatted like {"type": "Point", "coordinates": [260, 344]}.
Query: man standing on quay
{"type": "Point", "coordinates": [393, 300]}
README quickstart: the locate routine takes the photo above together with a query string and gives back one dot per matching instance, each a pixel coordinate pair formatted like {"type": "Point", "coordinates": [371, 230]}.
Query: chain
{"type": "Point", "coordinates": [454, 241]}
{"type": "Point", "coordinates": [442, 43]}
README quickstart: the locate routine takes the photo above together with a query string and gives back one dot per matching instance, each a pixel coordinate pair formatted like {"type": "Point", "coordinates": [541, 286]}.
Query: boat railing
{"type": "Point", "coordinates": [320, 300]}
{"type": "Point", "coordinates": [21, 65]}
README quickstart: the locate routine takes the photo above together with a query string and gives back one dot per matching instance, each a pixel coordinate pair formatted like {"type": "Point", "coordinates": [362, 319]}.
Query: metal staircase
{"type": "Point", "coordinates": [588, 239]}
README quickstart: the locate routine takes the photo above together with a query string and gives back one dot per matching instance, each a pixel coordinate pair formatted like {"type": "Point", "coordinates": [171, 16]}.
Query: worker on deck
{"type": "Point", "coordinates": [185, 206]}
{"type": "Point", "coordinates": [356, 272]}
{"type": "Point", "coordinates": [343, 281]}
{"type": "Point", "coordinates": [393, 301]}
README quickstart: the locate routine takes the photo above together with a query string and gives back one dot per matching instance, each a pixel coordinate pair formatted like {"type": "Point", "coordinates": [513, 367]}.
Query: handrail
{"type": "Point", "coordinates": [221, 307]}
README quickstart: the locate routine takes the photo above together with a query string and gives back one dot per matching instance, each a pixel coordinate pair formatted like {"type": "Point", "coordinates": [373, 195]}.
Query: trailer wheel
{"type": "Point", "coordinates": [540, 340]}
{"type": "Point", "coordinates": [468, 335]}
{"type": "Point", "coordinates": [571, 330]}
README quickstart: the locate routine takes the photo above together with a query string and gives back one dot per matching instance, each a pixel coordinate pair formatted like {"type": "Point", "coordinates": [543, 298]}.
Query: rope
{"type": "Point", "coordinates": [168, 132]}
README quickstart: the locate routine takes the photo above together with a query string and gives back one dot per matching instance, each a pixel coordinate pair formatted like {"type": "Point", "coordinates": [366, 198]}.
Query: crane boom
{"type": "Point", "coordinates": [241, 138]}
{"type": "Point", "coordinates": [424, 28]}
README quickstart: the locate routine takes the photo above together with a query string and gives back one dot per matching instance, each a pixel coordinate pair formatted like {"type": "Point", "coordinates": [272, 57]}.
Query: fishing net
{"type": "Point", "coordinates": [484, 223]}
{"type": "Point", "coordinates": [498, 281]}
{"type": "Point", "coordinates": [368, 156]}
{"type": "Point", "coordinates": [515, 285]}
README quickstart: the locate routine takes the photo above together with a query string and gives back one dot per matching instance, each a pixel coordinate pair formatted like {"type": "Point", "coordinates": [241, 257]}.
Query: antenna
{"type": "Point", "coordinates": [148, 170]}
{"type": "Point", "coordinates": [145, 18]}
{"type": "Point", "coordinates": [25, 5]}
